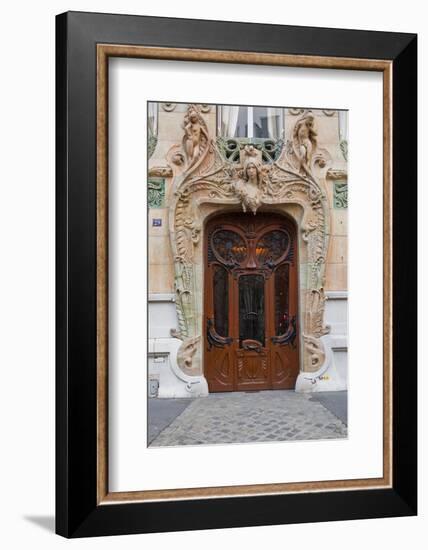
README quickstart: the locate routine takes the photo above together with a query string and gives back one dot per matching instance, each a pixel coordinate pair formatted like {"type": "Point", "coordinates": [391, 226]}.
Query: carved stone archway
{"type": "Point", "coordinates": [205, 182]}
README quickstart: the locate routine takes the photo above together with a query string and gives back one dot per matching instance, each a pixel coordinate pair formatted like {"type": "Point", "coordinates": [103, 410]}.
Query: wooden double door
{"type": "Point", "coordinates": [250, 303]}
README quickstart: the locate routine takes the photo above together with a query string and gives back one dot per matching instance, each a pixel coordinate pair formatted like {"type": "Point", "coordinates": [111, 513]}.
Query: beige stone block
{"type": "Point", "coordinates": [161, 278]}
{"type": "Point", "coordinates": [339, 221]}
{"type": "Point", "coordinates": [302, 252]}
{"type": "Point", "coordinates": [160, 250]}
{"type": "Point", "coordinates": [337, 250]}
{"type": "Point", "coordinates": [336, 277]}
{"type": "Point", "coordinates": [211, 121]}
{"type": "Point", "coordinates": [329, 187]}
{"type": "Point", "coordinates": [169, 196]}
{"type": "Point", "coordinates": [159, 157]}
{"type": "Point", "coordinates": [181, 108]}
{"type": "Point", "coordinates": [303, 275]}
{"type": "Point", "coordinates": [305, 296]}
{"type": "Point", "coordinates": [327, 129]}
{"type": "Point", "coordinates": [170, 126]}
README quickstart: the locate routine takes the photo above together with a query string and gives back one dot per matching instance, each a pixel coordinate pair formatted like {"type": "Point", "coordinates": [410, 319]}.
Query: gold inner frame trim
{"type": "Point", "coordinates": [104, 51]}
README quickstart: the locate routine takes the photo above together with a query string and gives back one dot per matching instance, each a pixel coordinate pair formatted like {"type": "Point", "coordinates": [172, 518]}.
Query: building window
{"type": "Point", "coordinates": [250, 122]}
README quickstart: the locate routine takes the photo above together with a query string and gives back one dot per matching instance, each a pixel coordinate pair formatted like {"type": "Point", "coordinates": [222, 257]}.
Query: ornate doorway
{"type": "Point", "coordinates": [250, 303]}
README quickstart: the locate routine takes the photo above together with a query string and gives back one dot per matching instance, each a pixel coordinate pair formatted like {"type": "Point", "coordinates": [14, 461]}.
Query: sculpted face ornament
{"type": "Point", "coordinates": [249, 188]}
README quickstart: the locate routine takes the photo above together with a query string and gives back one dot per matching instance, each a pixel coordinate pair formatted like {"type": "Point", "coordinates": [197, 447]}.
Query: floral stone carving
{"type": "Point", "coordinates": [156, 192]}
{"type": "Point", "coordinates": [208, 182]}
{"type": "Point", "coordinates": [340, 199]}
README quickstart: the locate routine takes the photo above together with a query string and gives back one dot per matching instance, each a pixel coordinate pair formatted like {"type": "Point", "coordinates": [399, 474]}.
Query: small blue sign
{"type": "Point", "coordinates": [157, 222]}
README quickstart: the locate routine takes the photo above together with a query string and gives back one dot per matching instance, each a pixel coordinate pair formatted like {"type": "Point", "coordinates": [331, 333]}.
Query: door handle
{"type": "Point", "coordinates": [289, 336]}
{"type": "Point", "coordinates": [214, 339]}
{"type": "Point", "coordinates": [252, 345]}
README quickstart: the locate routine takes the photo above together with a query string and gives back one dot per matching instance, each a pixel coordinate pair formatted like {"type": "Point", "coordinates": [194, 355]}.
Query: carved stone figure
{"type": "Point", "coordinates": [249, 188]}
{"type": "Point", "coordinates": [195, 138]}
{"type": "Point", "coordinates": [304, 142]}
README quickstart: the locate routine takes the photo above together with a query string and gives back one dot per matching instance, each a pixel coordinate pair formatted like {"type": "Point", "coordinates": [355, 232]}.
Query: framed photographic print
{"type": "Point", "coordinates": [236, 274]}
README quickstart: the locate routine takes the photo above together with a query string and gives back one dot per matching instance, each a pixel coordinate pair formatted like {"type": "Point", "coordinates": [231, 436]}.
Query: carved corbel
{"type": "Point", "coordinates": [160, 172]}
{"type": "Point", "coordinates": [314, 353]}
{"type": "Point", "coordinates": [336, 174]}
{"type": "Point", "coordinates": [186, 353]}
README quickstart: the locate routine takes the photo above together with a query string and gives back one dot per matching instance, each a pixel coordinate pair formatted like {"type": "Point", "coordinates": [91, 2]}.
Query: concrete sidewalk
{"type": "Point", "coordinates": [242, 417]}
{"type": "Point", "coordinates": [161, 412]}
{"type": "Point", "coordinates": [335, 401]}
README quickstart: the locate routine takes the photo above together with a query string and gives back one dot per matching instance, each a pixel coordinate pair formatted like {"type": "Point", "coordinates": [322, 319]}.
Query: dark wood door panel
{"type": "Point", "coordinates": [250, 303]}
{"type": "Point", "coordinates": [253, 370]}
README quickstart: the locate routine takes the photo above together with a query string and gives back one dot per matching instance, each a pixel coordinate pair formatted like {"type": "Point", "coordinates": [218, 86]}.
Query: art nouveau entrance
{"type": "Point", "coordinates": [250, 302]}
{"type": "Point", "coordinates": [234, 329]}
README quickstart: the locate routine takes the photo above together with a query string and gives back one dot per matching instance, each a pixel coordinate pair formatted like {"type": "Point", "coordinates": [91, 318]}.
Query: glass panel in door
{"type": "Point", "coordinates": [252, 308]}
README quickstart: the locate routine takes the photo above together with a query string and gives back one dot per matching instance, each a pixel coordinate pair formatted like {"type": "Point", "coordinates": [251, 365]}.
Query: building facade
{"type": "Point", "coordinates": [247, 241]}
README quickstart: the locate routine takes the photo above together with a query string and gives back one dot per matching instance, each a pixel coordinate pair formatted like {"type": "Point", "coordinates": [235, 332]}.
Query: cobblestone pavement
{"type": "Point", "coordinates": [249, 417]}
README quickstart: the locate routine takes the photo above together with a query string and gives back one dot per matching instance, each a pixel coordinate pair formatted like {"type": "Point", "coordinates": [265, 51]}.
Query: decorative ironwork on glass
{"type": "Point", "coordinates": [229, 247]}
{"type": "Point", "coordinates": [251, 308]}
{"type": "Point", "coordinates": [221, 300]}
{"type": "Point", "coordinates": [214, 339]}
{"type": "Point", "coordinates": [282, 284]}
{"type": "Point", "coordinates": [272, 247]}
{"type": "Point", "coordinates": [230, 148]}
{"type": "Point", "coordinates": [289, 337]}
{"type": "Point", "coordinates": [261, 127]}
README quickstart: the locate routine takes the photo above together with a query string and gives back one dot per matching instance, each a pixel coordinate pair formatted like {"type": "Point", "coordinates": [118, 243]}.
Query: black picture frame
{"type": "Point", "coordinates": [78, 513]}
